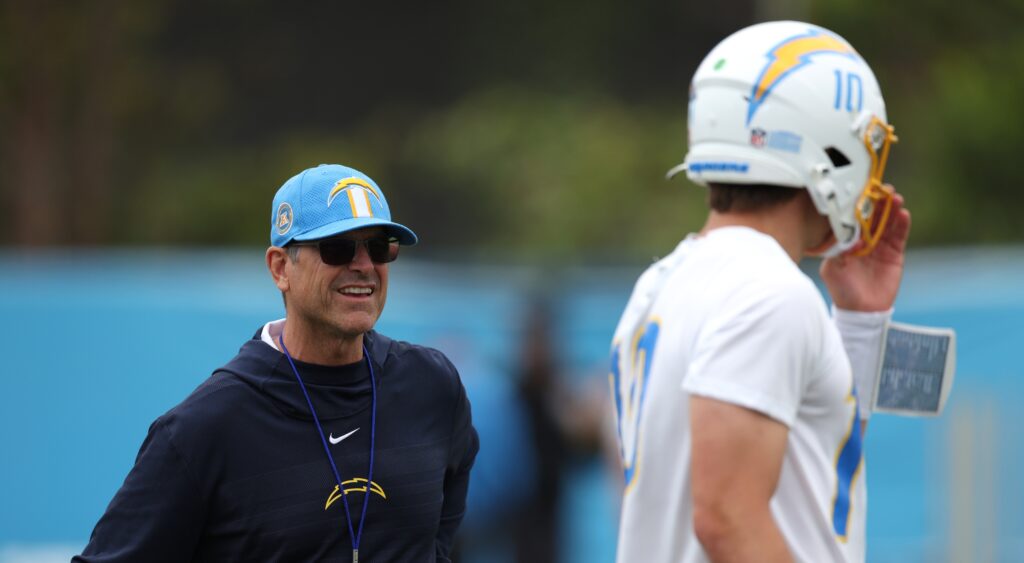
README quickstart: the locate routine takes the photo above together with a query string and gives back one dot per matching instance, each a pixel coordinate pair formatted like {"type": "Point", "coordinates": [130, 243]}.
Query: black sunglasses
{"type": "Point", "coordinates": [341, 251]}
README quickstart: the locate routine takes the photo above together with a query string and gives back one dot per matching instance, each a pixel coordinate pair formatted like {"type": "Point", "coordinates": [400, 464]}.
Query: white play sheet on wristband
{"type": "Point", "coordinates": [916, 370]}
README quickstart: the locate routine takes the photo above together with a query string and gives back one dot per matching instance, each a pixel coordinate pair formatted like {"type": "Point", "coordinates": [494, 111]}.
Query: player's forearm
{"type": "Point", "coordinates": [863, 336]}
{"type": "Point", "coordinates": [740, 535]}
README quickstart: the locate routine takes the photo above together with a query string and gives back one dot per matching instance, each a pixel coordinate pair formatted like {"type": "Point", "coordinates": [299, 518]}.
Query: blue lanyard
{"type": "Point", "coordinates": [354, 536]}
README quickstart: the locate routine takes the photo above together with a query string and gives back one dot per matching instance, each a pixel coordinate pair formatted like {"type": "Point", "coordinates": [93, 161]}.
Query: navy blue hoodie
{"type": "Point", "coordinates": [237, 471]}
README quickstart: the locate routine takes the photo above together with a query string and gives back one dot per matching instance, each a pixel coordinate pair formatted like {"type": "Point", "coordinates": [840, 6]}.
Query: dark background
{"type": "Point", "coordinates": [539, 129]}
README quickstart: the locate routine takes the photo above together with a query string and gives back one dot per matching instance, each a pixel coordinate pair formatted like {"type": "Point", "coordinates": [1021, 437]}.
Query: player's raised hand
{"type": "Point", "coordinates": [870, 282]}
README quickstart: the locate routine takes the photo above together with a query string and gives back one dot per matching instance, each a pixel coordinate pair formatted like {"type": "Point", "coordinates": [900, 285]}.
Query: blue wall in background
{"type": "Point", "coordinates": [97, 344]}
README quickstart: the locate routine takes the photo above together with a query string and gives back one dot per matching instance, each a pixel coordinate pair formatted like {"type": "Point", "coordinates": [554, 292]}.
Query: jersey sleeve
{"type": "Point", "coordinates": [756, 352]}
{"type": "Point", "coordinates": [157, 515]}
{"type": "Point", "coordinates": [464, 446]}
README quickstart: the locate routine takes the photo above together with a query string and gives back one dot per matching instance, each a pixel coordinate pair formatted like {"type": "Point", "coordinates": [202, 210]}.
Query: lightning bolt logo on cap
{"type": "Point", "coordinates": [359, 192]}
{"type": "Point", "coordinates": [790, 55]}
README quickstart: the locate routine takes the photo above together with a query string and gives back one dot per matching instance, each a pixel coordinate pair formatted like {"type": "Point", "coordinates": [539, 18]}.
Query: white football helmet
{"type": "Point", "coordinates": [793, 104]}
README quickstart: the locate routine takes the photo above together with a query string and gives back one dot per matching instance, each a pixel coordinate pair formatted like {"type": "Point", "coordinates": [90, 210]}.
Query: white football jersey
{"type": "Point", "coordinates": [729, 316]}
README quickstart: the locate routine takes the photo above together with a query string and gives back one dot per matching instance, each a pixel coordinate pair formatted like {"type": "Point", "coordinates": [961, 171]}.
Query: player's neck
{"type": "Point", "coordinates": [783, 222]}
{"type": "Point", "coordinates": [313, 346]}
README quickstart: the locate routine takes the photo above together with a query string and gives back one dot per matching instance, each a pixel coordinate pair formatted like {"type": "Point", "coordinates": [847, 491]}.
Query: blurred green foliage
{"type": "Point", "coordinates": [538, 130]}
{"type": "Point", "coordinates": [553, 175]}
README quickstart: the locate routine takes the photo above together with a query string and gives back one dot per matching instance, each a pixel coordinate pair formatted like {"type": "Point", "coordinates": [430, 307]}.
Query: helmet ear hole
{"type": "Point", "coordinates": [837, 157]}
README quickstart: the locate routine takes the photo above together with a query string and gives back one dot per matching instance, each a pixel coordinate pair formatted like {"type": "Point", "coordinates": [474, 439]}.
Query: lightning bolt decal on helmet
{"type": "Point", "coordinates": [793, 104]}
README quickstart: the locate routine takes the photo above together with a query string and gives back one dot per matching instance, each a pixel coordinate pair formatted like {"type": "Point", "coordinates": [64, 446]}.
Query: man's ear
{"type": "Point", "coordinates": [277, 260]}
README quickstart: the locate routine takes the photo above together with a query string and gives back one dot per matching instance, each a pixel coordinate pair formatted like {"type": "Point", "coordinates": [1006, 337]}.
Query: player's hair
{"type": "Point", "coordinates": [744, 198]}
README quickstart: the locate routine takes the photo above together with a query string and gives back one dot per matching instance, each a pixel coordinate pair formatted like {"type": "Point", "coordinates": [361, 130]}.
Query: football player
{"type": "Point", "coordinates": [736, 390]}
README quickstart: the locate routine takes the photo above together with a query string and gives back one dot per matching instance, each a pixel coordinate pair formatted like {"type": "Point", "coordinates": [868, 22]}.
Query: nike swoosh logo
{"type": "Point", "coordinates": [342, 437]}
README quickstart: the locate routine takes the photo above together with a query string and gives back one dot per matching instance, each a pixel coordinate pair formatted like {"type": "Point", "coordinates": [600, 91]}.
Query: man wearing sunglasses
{"type": "Point", "coordinates": [322, 439]}
{"type": "Point", "coordinates": [737, 395]}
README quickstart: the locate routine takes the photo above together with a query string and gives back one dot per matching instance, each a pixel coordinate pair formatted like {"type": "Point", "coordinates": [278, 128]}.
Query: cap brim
{"type": "Point", "coordinates": [404, 234]}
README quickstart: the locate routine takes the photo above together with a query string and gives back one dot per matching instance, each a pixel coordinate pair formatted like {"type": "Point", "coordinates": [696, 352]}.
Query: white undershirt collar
{"type": "Point", "coordinates": [271, 332]}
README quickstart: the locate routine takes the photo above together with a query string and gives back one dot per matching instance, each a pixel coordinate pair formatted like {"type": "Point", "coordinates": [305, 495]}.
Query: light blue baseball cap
{"type": "Point", "coordinates": [328, 200]}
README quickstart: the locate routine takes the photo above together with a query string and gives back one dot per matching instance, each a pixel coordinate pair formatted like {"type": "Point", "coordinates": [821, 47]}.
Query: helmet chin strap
{"type": "Point", "coordinates": [830, 247]}
{"type": "Point", "coordinates": [838, 248]}
{"type": "Point", "coordinates": [824, 197]}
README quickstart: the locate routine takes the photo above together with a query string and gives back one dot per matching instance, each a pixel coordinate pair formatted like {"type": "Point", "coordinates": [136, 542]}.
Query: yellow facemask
{"type": "Point", "coordinates": [875, 202]}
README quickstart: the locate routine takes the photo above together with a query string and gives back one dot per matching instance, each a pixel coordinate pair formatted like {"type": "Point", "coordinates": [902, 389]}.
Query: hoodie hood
{"type": "Point", "coordinates": [336, 391]}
